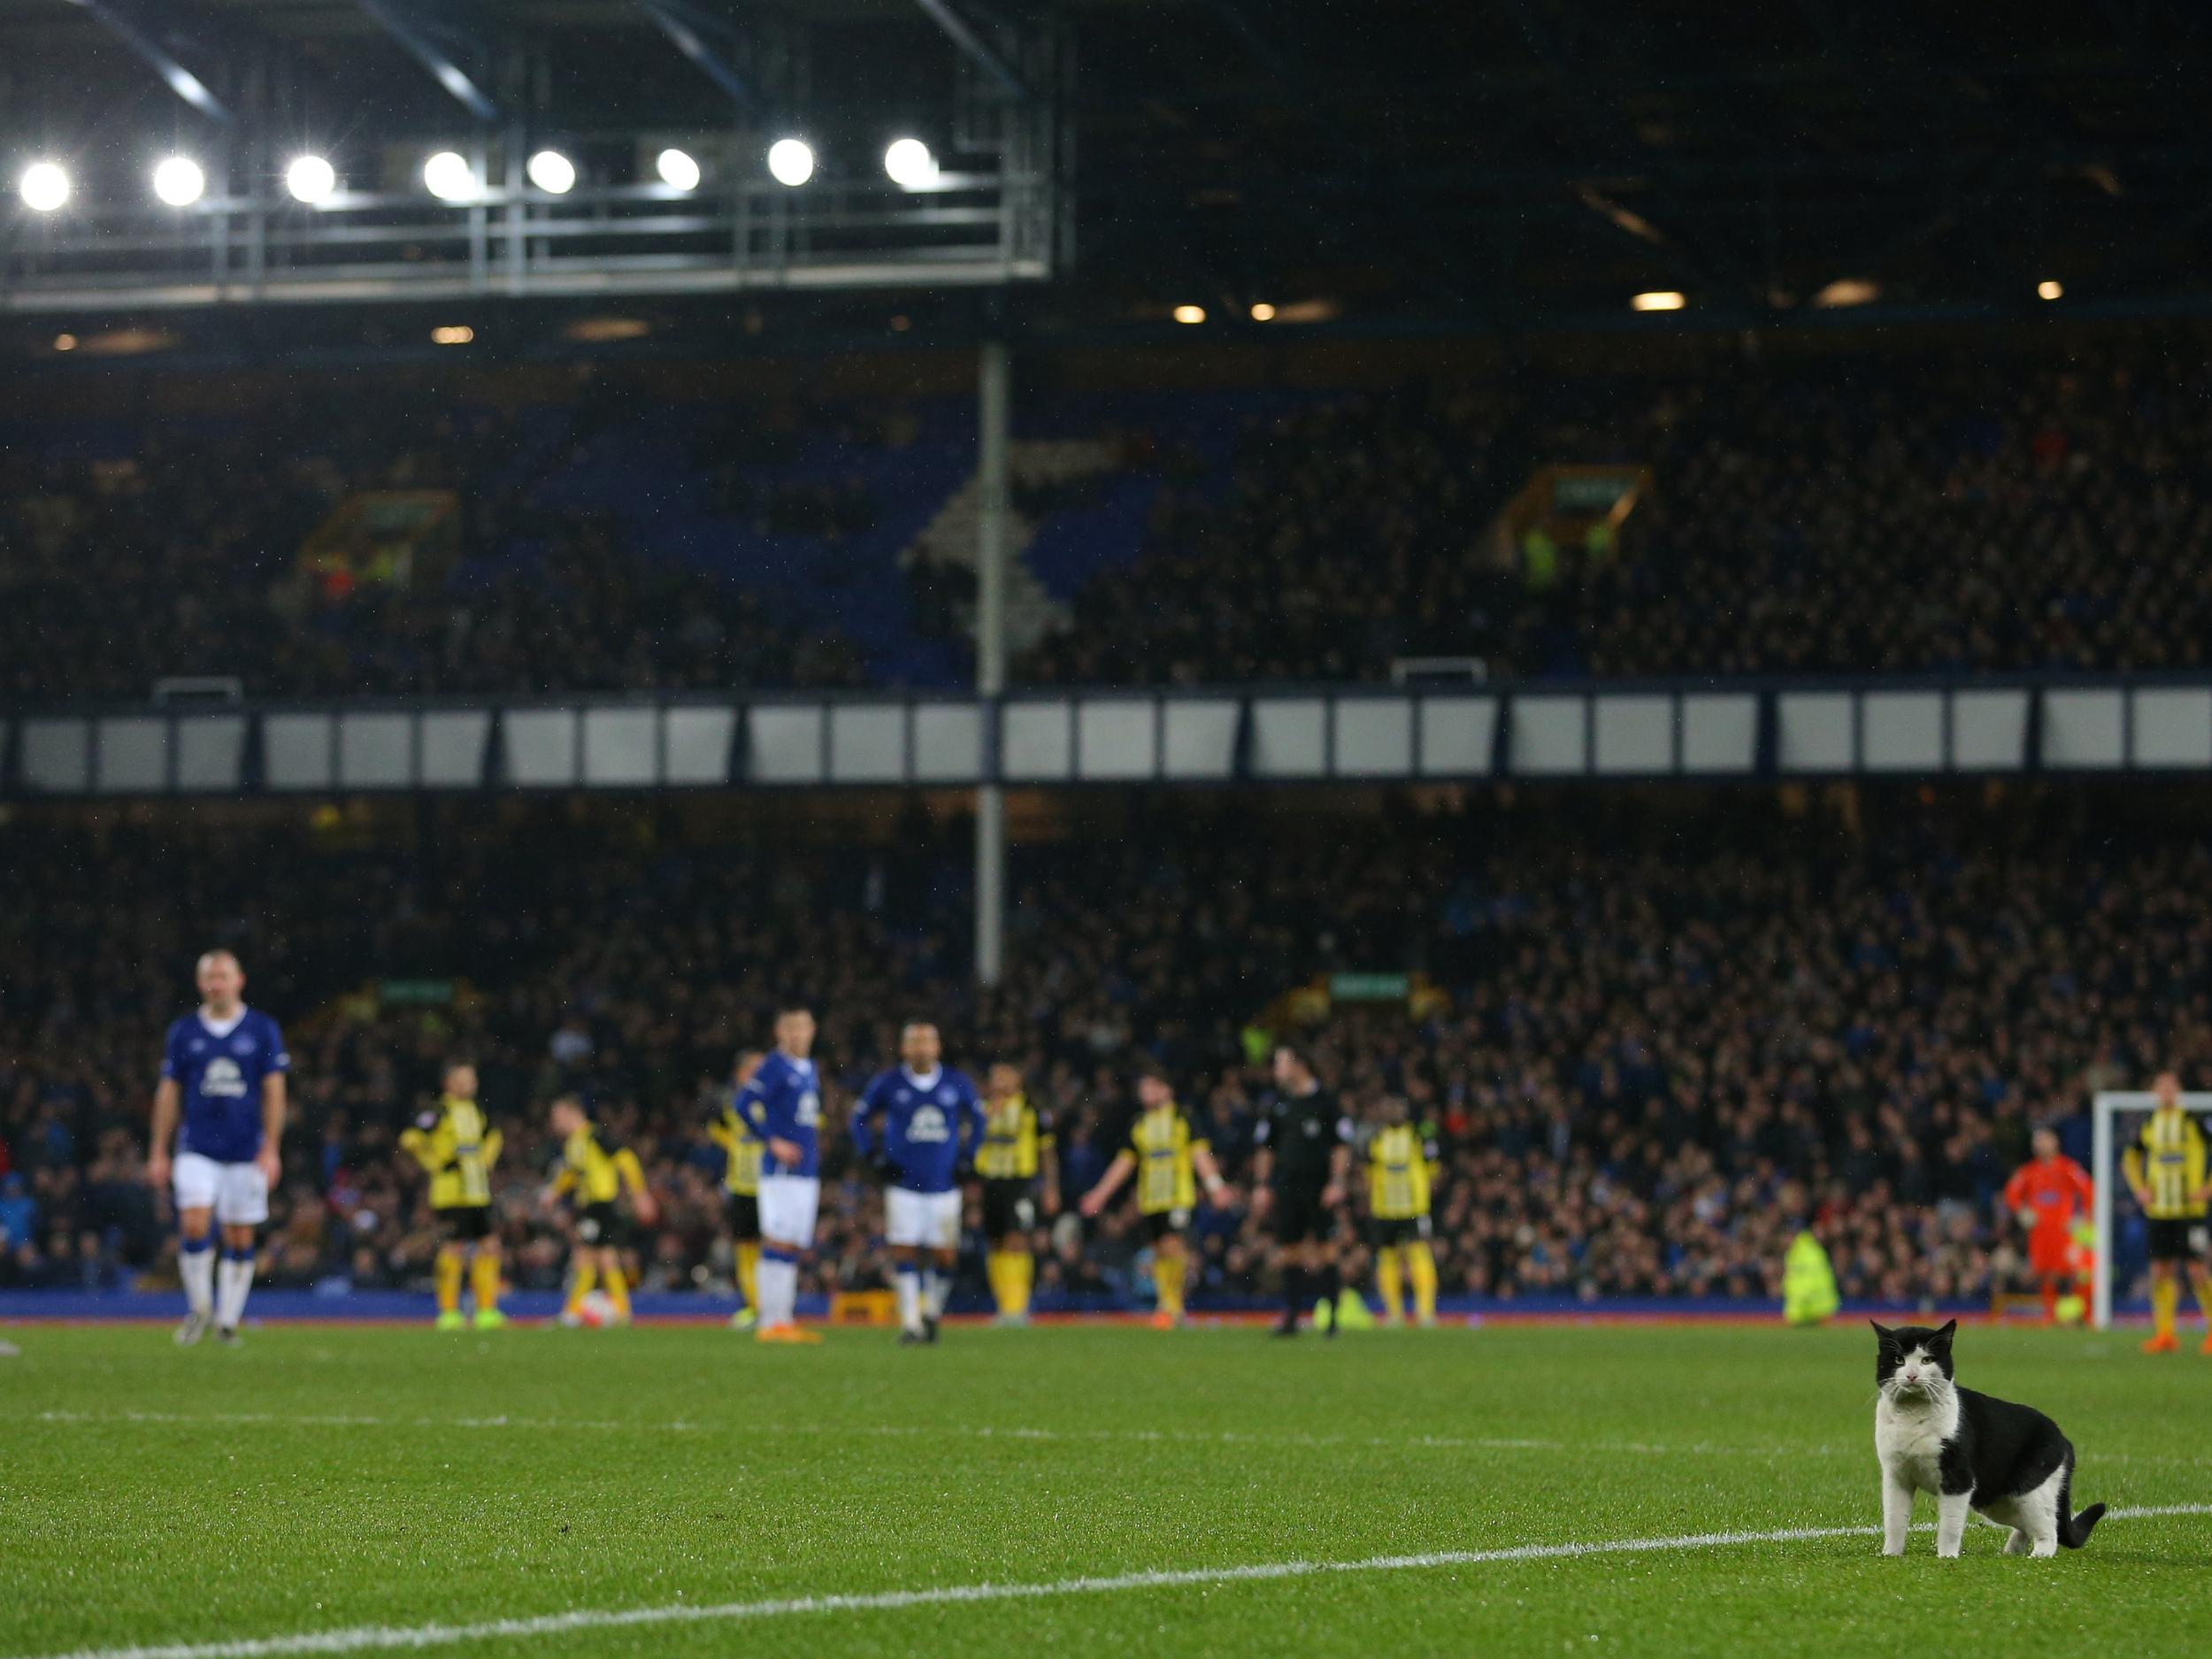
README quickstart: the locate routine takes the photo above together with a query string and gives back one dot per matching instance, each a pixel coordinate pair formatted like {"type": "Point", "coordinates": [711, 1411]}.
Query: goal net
{"type": "Point", "coordinates": [2123, 1262]}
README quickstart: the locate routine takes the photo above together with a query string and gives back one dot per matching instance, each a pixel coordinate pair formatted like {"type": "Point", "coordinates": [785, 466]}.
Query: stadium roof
{"type": "Point", "coordinates": [1495, 163]}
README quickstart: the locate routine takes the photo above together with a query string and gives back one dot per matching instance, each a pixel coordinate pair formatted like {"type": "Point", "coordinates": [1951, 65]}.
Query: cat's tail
{"type": "Point", "coordinates": [2074, 1530]}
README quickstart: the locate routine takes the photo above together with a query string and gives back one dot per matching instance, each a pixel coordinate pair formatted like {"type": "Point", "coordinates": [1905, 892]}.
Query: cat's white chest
{"type": "Point", "coordinates": [1910, 1439]}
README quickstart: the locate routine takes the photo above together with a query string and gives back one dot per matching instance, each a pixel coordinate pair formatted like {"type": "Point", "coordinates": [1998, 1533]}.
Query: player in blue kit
{"type": "Point", "coordinates": [782, 1106]}
{"type": "Point", "coordinates": [222, 1070]}
{"type": "Point", "coordinates": [918, 1152]}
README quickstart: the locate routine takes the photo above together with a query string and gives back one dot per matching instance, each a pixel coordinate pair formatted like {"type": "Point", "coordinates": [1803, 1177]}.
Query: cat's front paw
{"type": "Point", "coordinates": [1893, 1549]}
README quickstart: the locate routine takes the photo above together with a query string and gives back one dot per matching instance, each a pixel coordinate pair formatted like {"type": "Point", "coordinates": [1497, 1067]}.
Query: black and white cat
{"type": "Point", "coordinates": [2008, 1461]}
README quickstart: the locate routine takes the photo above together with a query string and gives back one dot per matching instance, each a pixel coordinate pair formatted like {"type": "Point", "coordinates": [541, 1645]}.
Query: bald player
{"type": "Point", "coordinates": [222, 1074]}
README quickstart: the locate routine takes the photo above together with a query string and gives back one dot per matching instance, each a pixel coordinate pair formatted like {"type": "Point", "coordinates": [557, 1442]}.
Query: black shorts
{"type": "Point", "coordinates": [744, 1209]}
{"type": "Point", "coordinates": [464, 1224]}
{"type": "Point", "coordinates": [2176, 1240]}
{"type": "Point", "coordinates": [601, 1227]}
{"type": "Point", "coordinates": [1160, 1223]}
{"type": "Point", "coordinates": [1298, 1215]}
{"type": "Point", "coordinates": [1395, 1232]}
{"type": "Point", "coordinates": [1009, 1206]}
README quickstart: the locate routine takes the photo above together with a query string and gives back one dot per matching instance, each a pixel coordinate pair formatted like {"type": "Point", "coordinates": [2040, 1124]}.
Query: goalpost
{"type": "Point", "coordinates": [2105, 1149]}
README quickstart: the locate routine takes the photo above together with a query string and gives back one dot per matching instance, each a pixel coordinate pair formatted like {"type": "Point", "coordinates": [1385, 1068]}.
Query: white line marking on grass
{"type": "Point", "coordinates": [986, 1432]}
{"type": "Point", "coordinates": [367, 1638]}
{"type": "Point", "coordinates": [974, 1432]}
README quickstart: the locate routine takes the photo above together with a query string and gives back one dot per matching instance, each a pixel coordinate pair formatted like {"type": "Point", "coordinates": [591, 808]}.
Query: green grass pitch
{"type": "Point", "coordinates": [332, 1478]}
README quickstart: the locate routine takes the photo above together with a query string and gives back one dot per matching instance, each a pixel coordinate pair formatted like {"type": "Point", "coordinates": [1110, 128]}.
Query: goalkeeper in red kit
{"type": "Point", "coordinates": [2047, 1194]}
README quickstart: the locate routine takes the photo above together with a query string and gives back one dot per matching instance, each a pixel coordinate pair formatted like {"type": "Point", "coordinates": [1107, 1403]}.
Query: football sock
{"type": "Point", "coordinates": [1421, 1260]}
{"type": "Point", "coordinates": [2165, 1303]}
{"type": "Point", "coordinates": [1001, 1269]}
{"type": "Point", "coordinates": [1295, 1290]}
{"type": "Point", "coordinates": [1022, 1270]}
{"type": "Point", "coordinates": [617, 1290]}
{"type": "Point", "coordinates": [1167, 1282]}
{"type": "Point", "coordinates": [1332, 1279]}
{"type": "Point", "coordinates": [749, 1274]}
{"type": "Point", "coordinates": [195, 1265]}
{"type": "Point", "coordinates": [579, 1283]}
{"type": "Point", "coordinates": [779, 1286]}
{"type": "Point", "coordinates": [910, 1288]}
{"type": "Point", "coordinates": [233, 1279]}
{"type": "Point", "coordinates": [448, 1277]}
{"type": "Point", "coordinates": [2050, 1299]}
{"type": "Point", "coordinates": [484, 1280]}
{"type": "Point", "coordinates": [933, 1286]}
{"type": "Point", "coordinates": [1388, 1281]}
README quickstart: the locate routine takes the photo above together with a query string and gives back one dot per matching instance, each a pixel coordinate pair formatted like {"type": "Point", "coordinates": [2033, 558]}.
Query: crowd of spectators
{"type": "Point", "coordinates": [1852, 511]}
{"type": "Point", "coordinates": [1668, 1032]}
{"type": "Point", "coordinates": [180, 553]}
{"type": "Point", "coordinates": [1848, 514]}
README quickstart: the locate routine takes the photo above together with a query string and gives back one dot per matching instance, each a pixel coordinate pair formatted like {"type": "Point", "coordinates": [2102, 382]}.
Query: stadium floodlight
{"type": "Point", "coordinates": [43, 187]}
{"type": "Point", "coordinates": [1261, 311]}
{"type": "Point", "coordinates": [1190, 314]}
{"type": "Point", "coordinates": [791, 161]}
{"type": "Point", "coordinates": [311, 180]}
{"type": "Point", "coordinates": [552, 173]}
{"type": "Point", "coordinates": [2048, 289]}
{"type": "Point", "coordinates": [909, 163]}
{"type": "Point", "coordinates": [449, 178]}
{"type": "Point", "coordinates": [1657, 300]}
{"type": "Point", "coordinates": [179, 181]}
{"type": "Point", "coordinates": [678, 170]}
{"type": "Point", "coordinates": [452, 335]}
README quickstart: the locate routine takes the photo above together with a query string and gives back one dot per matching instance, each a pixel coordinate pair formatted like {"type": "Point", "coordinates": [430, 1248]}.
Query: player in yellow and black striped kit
{"type": "Point", "coordinates": [597, 1170]}
{"type": "Point", "coordinates": [740, 1180]}
{"type": "Point", "coordinates": [1401, 1163]}
{"type": "Point", "coordinates": [457, 1148]}
{"type": "Point", "coordinates": [1168, 1158]}
{"type": "Point", "coordinates": [2166, 1171]}
{"type": "Point", "coordinates": [1017, 1149]}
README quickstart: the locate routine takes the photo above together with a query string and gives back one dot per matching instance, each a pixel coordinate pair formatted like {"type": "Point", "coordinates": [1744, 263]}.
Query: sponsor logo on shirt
{"type": "Point", "coordinates": [222, 1080]}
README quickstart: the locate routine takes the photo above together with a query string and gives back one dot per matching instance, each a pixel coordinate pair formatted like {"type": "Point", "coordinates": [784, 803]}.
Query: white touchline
{"type": "Point", "coordinates": [367, 1638]}
{"type": "Point", "coordinates": [986, 1432]}
{"type": "Point", "coordinates": [1207, 1437]}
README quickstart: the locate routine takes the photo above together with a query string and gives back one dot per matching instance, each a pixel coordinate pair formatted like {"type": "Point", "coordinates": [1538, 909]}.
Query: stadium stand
{"type": "Point", "coordinates": [2045, 512]}
{"type": "Point", "coordinates": [2041, 514]}
{"type": "Point", "coordinates": [1853, 1012]}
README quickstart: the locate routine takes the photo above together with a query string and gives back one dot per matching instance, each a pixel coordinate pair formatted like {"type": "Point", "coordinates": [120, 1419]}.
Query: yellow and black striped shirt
{"type": "Point", "coordinates": [736, 1138]}
{"type": "Point", "coordinates": [1016, 1136]}
{"type": "Point", "coordinates": [456, 1145]}
{"type": "Point", "coordinates": [1399, 1166]}
{"type": "Point", "coordinates": [2169, 1161]}
{"type": "Point", "coordinates": [596, 1169]}
{"type": "Point", "coordinates": [1162, 1143]}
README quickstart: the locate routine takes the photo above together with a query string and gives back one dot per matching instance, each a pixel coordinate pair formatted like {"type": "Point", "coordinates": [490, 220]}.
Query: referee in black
{"type": "Point", "coordinates": [1302, 1155]}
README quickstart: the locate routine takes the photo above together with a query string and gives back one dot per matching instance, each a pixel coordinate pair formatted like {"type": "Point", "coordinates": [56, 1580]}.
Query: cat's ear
{"type": "Point", "coordinates": [1883, 1331]}
{"type": "Point", "coordinates": [1950, 1329]}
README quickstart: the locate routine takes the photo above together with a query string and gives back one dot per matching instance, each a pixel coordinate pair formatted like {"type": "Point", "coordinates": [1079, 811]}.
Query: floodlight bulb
{"type": "Point", "coordinates": [791, 161]}
{"type": "Point", "coordinates": [552, 173]}
{"type": "Point", "coordinates": [449, 178]}
{"type": "Point", "coordinates": [43, 187]}
{"type": "Point", "coordinates": [909, 163]}
{"type": "Point", "coordinates": [311, 180]}
{"type": "Point", "coordinates": [678, 170]}
{"type": "Point", "coordinates": [179, 181]}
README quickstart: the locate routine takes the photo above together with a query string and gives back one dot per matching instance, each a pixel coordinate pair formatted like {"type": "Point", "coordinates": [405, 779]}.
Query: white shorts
{"type": "Point", "coordinates": [931, 1220]}
{"type": "Point", "coordinates": [788, 1205]}
{"type": "Point", "coordinates": [237, 1192]}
